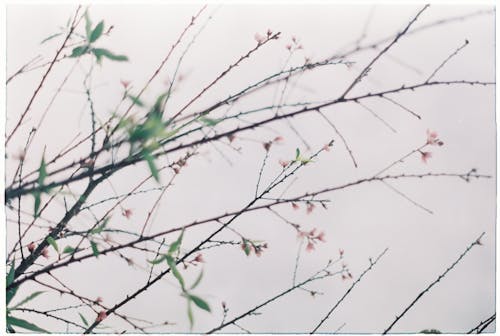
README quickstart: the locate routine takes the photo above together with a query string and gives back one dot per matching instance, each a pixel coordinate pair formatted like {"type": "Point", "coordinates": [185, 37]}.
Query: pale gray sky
{"type": "Point", "coordinates": [362, 220]}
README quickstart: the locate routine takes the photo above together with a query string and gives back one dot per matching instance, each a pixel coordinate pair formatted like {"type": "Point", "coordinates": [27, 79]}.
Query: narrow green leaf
{"type": "Point", "coordinates": [246, 247]}
{"type": "Point", "coordinates": [200, 302]}
{"type": "Point", "coordinates": [177, 244]}
{"type": "Point", "coordinates": [101, 227]}
{"type": "Point", "coordinates": [50, 37]}
{"type": "Point", "coordinates": [95, 251]}
{"type": "Point", "coordinates": [158, 260]}
{"type": "Point", "coordinates": [27, 299]}
{"type": "Point", "coordinates": [152, 166]}
{"type": "Point", "coordinates": [197, 281]}
{"type": "Point", "coordinates": [10, 294]}
{"type": "Point", "coordinates": [69, 250]}
{"type": "Point", "coordinates": [79, 51]}
{"type": "Point", "coordinates": [97, 32]}
{"type": "Point", "coordinates": [99, 52]}
{"type": "Point", "coordinates": [83, 320]}
{"type": "Point", "coordinates": [190, 315]}
{"type": "Point", "coordinates": [53, 243]}
{"type": "Point", "coordinates": [297, 153]}
{"type": "Point", "coordinates": [38, 200]}
{"type": "Point", "coordinates": [10, 276]}
{"type": "Point", "coordinates": [42, 172]}
{"type": "Point", "coordinates": [209, 121]}
{"type": "Point", "coordinates": [175, 271]}
{"type": "Point", "coordinates": [88, 25]}
{"type": "Point", "coordinates": [135, 100]}
{"type": "Point", "coordinates": [24, 324]}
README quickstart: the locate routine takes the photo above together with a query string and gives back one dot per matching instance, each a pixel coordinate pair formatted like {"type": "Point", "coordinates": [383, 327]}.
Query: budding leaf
{"type": "Point", "coordinates": [53, 243]}
{"type": "Point", "coordinates": [88, 25]}
{"type": "Point", "coordinates": [95, 251]}
{"type": "Point", "coordinates": [152, 166]}
{"type": "Point", "coordinates": [175, 271]}
{"type": "Point", "coordinates": [97, 32]}
{"type": "Point", "coordinates": [101, 227]}
{"type": "Point", "coordinates": [197, 281]}
{"type": "Point", "coordinates": [27, 299]}
{"type": "Point", "coordinates": [79, 51]}
{"type": "Point", "coordinates": [10, 276]}
{"type": "Point", "coordinates": [13, 321]}
{"type": "Point", "coordinates": [200, 302]}
{"type": "Point", "coordinates": [69, 250]}
{"type": "Point", "coordinates": [158, 260]}
{"type": "Point", "coordinates": [190, 315]}
{"type": "Point", "coordinates": [135, 100]}
{"type": "Point", "coordinates": [209, 121]}
{"type": "Point", "coordinates": [297, 153]}
{"type": "Point", "coordinates": [83, 320]}
{"type": "Point", "coordinates": [99, 53]}
{"type": "Point", "coordinates": [50, 37]}
{"type": "Point", "coordinates": [176, 245]}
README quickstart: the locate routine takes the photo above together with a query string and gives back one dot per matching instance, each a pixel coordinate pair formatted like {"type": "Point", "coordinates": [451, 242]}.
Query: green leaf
{"type": "Point", "coordinates": [50, 37]}
{"type": "Point", "coordinates": [10, 294]}
{"type": "Point", "coordinates": [83, 320]}
{"type": "Point", "coordinates": [101, 227]}
{"type": "Point", "coordinates": [53, 243]}
{"type": "Point", "coordinates": [79, 51]}
{"type": "Point", "coordinates": [88, 25]}
{"type": "Point", "coordinates": [95, 251]}
{"type": "Point", "coordinates": [200, 302]}
{"type": "Point", "coordinates": [99, 52]}
{"type": "Point", "coordinates": [69, 250]}
{"type": "Point", "coordinates": [97, 32]}
{"type": "Point", "coordinates": [151, 164]}
{"type": "Point", "coordinates": [38, 200]}
{"type": "Point", "coordinates": [13, 321]}
{"type": "Point", "coordinates": [197, 281]}
{"type": "Point", "coordinates": [158, 260]}
{"type": "Point", "coordinates": [27, 299]}
{"type": "Point", "coordinates": [175, 271]}
{"type": "Point", "coordinates": [176, 244]}
{"type": "Point", "coordinates": [10, 276]}
{"type": "Point", "coordinates": [246, 247]}
{"type": "Point", "coordinates": [190, 315]}
{"type": "Point", "coordinates": [209, 121]}
{"type": "Point", "coordinates": [135, 100]}
{"type": "Point", "coordinates": [297, 153]}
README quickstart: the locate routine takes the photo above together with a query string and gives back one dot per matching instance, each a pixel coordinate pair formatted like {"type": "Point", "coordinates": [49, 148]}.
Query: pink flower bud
{"type": "Point", "coordinates": [125, 83]}
{"type": "Point", "coordinates": [310, 247]}
{"type": "Point", "coordinates": [31, 247]}
{"type": "Point", "coordinates": [101, 316]}
{"type": "Point", "coordinates": [127, 213]}
{"type": "Point", "coordinates": [425, 156]}
{"type": "Point", "coordinates": [259, 38]}
{"type": "Point", "coordinates": [295, 206]}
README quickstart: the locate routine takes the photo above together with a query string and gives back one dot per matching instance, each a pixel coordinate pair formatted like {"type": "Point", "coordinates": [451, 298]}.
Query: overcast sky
{"type": "Point", "coordinates": [362, 220]}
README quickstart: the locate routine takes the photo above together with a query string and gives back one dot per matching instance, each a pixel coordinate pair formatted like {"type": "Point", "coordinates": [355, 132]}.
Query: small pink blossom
{"type": "Point", "coordinates": [231, 137]}
{"type": "Point", "coordinates": [283, 163]}
{"type": "Point", "coordinates": [310, 207]}
{"type": "Point", "coordinates": [267, 145]}
{"type": "Point", "coordinates": [310, 247]}
{"type": "Point", "coordinates": [127, 213]}
{"type": "Point", "coordinates": [223, 303]}
{"type": "Point", "coordinates": [98, 300]}
{"type": "Point", "coordinates": [295, 206]}
{"type": "Point", "coordinates": [31, 247]}
{"type": "Point", "coordinates": [344, 277]}
{"type": "Point", "coordinates": [279, 138]}
{"type": "Point", "coordinates": [101, 316]}
{"type": "Point", "coordinates": [259, 38]}
{"type": "Point", "coordinates": [199, 258]}
{"type": "Point", "coordinates": [341, 252]}
{"type": "Point", "coordinates": [312, 232]}
{"type": "Point", "coordinates": [288, 46]}
{"type": "Point", "coordinates": [425, 156]}
{"type": "Point", "coordinates": [45, 253]}
{"type": "Point", "coordinates": [326, 147]}
{"type": "Point", "coordinates": [125, 83]}
{"type": "Point", "coordinates": [321, 236]}
{"type": "Point", "coordinates": [432, 137]}
{"type": "Point", "coordinates": [269, 32]}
